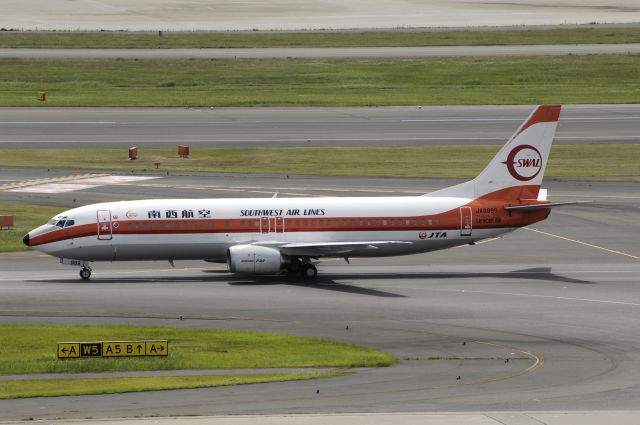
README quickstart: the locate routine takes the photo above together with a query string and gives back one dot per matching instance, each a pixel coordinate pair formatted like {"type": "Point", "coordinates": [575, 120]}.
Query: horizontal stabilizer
{"type": "Point", "coordinates": [332, 249]}
{"type": "Point", "coordinates": [532, 207]}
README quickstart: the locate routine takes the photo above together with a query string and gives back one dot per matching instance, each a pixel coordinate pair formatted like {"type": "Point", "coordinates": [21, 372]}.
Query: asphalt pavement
{"type": "Point", "coordinates": [299, 127]}
{"type": "Point", "coordinates": [320, 52]}
{"type": "Point", "coordinates": [560, 300]}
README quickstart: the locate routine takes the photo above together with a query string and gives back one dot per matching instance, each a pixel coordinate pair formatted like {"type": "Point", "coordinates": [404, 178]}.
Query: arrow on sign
{"type": "Point", "coordinates": [139, 347]}
{"type": "Point", "coordinates": [64, 350]}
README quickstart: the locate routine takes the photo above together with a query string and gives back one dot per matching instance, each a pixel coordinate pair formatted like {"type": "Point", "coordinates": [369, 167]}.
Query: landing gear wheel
{"type": "Point", "coordinates": [85, 274]}
{"type": "Point", "coordinates": [309, 271]}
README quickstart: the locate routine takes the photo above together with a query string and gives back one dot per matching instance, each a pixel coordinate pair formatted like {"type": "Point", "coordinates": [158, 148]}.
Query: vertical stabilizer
{"type": "Point", "coordinates": [521, 162]}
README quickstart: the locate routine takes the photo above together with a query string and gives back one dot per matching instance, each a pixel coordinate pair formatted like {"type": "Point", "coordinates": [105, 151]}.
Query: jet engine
{"type": "Point", "coordinates": [252, 259]}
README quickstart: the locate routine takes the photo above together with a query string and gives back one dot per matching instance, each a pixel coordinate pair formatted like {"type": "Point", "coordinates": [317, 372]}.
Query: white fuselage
{"type": "Point", "coordinates": [167, 229]}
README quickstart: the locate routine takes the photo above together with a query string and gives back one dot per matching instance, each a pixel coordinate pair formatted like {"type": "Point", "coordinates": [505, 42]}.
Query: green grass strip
{"type": "Point", "coordinates": [28, 349]}
{"type": "Point", "coordinates": [350, 82]}
{"type": "Point", "coordinates": [63, 387]}
{"type": "Point", "coordinates": [72, 40]}
{"type": "Point", "coordinates": [451, 161]}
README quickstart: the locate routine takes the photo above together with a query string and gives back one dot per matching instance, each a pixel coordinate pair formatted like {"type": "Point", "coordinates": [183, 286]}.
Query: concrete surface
{"type": "Point", "coordinates": [192, 15]}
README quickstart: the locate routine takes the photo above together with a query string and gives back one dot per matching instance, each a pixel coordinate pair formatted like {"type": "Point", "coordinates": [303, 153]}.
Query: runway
{"type": "Point", "coordinates": [251, 15]}
{"type": "Point", "coordinates": [560, 300]}
{"type": "Point", "coordinates": [337, 52]}
{"type": "Point", "coordinates": [251, 127]}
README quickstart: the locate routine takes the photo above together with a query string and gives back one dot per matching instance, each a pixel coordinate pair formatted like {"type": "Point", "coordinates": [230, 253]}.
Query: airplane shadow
{"type": "Point", "coordinates": [328, 282]}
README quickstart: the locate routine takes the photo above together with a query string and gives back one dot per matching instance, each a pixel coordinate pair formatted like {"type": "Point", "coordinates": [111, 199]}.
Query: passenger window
{"type": "Point", "coordinates": [378, 221]}
{"type": "Point", "coordinates": [384, 222]}
{"type": "Point", "coordinates": [344, 221]}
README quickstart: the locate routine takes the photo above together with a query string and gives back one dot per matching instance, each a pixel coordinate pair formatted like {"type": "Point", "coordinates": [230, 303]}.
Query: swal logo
{"type": "Point", "coordinates": [524, 162]}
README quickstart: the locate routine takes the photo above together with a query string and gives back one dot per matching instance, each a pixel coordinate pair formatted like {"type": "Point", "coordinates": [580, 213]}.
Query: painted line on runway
{"type": "Point", "coordinates": [518, 119]}
{"type": "Point", "coordinates": [613, 251]}
{"type": "Point", "coordinates": [513, 294]}
{"type": "Point", "coordinates": [57, 122]}
{"type": "Point", "coordinates": [281, 190]}
{"type": "Point", "coordinates": [46, 180]}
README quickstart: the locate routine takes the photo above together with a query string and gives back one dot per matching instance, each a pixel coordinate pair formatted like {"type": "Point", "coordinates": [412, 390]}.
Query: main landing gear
{"type": "Point", "coordinates": [309, 271]}
{"type": "Point", "coordinates": [85, 273]}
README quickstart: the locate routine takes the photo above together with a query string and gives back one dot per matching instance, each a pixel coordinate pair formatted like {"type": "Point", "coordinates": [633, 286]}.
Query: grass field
{"type": "Point", "coordinates": [351, 82]}
{"type": "Point", "coordinates": [29, 349]}
{"type": "Point", "coordinates": [451, 161]}
{"type": "Point", "coordinates": [317, 39]}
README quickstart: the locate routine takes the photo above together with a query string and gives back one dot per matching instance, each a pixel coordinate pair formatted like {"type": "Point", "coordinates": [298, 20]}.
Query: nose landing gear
{"type": "Point", "coordinates": [85, 273]}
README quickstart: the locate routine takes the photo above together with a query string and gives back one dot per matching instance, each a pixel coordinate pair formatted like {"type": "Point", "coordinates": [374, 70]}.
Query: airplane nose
{"type": "Point", "coordinates": [25, 240]}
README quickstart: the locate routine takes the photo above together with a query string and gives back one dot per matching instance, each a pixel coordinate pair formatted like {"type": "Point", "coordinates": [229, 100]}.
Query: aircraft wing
{"type": "Point", "coordinates": [332, 249]}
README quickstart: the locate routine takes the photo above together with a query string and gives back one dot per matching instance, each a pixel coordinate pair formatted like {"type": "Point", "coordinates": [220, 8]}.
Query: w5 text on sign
{"type": "Point", "coordinates": [68, 350]}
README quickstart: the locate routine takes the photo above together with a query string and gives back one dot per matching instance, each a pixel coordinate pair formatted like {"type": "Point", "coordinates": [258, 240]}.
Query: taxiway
{"type": "Point", "coordinates": [560, 300]}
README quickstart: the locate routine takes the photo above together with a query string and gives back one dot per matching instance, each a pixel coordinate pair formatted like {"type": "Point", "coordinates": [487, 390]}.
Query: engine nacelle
{"type": "Point", "coordinates": [252, 259]}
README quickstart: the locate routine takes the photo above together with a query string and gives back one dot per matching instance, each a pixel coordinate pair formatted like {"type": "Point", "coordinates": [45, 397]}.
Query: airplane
{"type": "Point", "coordinates": [268, 236]}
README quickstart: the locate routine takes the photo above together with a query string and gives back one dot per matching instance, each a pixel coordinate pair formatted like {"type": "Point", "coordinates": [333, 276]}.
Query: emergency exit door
{"type": "Point", "coordinates": [272, 224]}
{"type": "Point", "coordinates": [465, 221]}
{"type": "Point", "coordinates": [105, 232]}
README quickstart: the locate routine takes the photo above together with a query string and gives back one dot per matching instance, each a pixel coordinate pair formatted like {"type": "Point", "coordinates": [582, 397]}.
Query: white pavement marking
{"type": "Point", "coordinates": [115, 180]}
{"type": "Point", "coordinates": [52, 188]}
{"type": "Point", "coordinates": [57, 122]}
{"type": "Point", "coordinates": [71, 183]}
{"type": "Point", "coordinates": [616, 118]}
{"type": "Point", "coordinates": [514, 294]}
{"type": "Point", "coordinates": [613, 251]}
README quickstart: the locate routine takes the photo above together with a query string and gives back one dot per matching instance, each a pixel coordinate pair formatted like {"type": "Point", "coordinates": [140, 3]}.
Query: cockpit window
{"type": "Point", "coordinates": [61, 221]}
